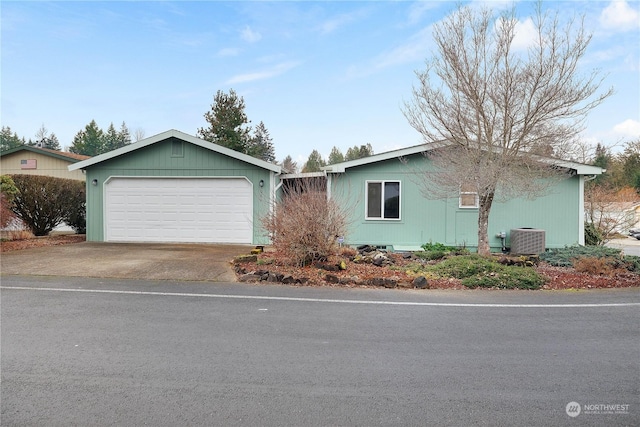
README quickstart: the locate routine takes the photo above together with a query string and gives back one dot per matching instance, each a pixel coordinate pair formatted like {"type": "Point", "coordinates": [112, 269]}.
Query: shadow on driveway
{"type": "Point", "coordinates": [198, 262]}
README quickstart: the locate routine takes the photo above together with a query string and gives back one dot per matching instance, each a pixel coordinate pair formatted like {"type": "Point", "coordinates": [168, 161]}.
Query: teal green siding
{"type": "Point", "coordinates": [157, 160]}
{"type": "Point", "coordinates": [424, 220]}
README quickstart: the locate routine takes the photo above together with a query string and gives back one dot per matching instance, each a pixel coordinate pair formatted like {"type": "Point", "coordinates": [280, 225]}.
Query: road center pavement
{"type": "Point", "coordinates": [149, 261]}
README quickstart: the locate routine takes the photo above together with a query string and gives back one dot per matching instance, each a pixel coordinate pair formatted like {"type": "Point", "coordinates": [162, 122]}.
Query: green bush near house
{"type": "Point", "coordinates": [565, 257]}
{"type": "Point", "coordinates": [477, 271]}
{"type": "Point", "coordinates": [433, 251]}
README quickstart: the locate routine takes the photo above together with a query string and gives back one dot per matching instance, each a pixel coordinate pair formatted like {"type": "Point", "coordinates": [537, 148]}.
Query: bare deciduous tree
{"type": "Point", "coordinates": [506, 112]}
{"type": "Point", "coordinates": [610, 212]}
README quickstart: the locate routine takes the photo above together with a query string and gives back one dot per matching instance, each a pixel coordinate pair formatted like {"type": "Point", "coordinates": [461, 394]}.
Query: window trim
{"type": "Point", "coordinates": [382, 183]}
{"type": "Point", "coordinates": [467, 193]}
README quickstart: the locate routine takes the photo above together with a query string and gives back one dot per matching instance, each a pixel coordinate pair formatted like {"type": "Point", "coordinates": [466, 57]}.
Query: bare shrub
{"type": "Point", "coordinates": [592, 265]}
{"type": "Point", "coordinates": [304, 224]}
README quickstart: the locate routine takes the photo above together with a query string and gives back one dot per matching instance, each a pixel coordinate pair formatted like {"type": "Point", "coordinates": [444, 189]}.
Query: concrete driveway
{"type": "Point", "coordinates": [127, 261]}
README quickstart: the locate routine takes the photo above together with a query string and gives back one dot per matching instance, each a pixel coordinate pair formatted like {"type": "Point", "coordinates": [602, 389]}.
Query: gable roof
{"type": "Point", "coordinates": [581, 169]}
{"type": "Point", "coordinates": [62, 155]}
{"type": "Point", "coordinates": [180, 135]}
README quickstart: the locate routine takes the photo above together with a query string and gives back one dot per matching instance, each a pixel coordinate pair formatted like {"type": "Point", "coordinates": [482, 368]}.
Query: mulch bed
{"type": "Point", "coordinates": [36, 242]}
{"type": "Point", "coordinates": [356, 274]}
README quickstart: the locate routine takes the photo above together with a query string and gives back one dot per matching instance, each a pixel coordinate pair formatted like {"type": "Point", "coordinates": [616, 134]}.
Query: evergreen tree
{"type": "Point", "coordinates": [227, 122]}
{"type": "Point", "coordinates": [631, 165]}
{"type": "Point", "coordinates": [288, 165]}
{"type": "Point", "coordinates": [261, 145]}
{"type": "Point", "coordinates": [602, 159]}
{"type": "Point", "coordinates": [124, 136]}
{"type": "Point", "coordinates": [335, 156]}
{"type": "Point", "coordinates": [89, 141]}
{"type": "Point", "coordinates": [110, 139]}
{"type": "Point", "coordinates": [356, 152]}
{"type": "Point", "coordinates": [9, 140]}
{"type": "Point", "coordinates": [314, 162]}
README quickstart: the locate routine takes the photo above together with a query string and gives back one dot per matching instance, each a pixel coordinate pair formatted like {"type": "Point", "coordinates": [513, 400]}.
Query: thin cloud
{"type": "Point", "coordinates": [619, 16]}
{"type": "Point", "coordinates": [249, 35]}
{"type": "Point", "coordinates": [629, 128]}
{"type": "Point", "coordinates": [228, 51]}
{"type": "Point", "coordinates": [264, 74]}
{"type": "Point", "coordinates": [415, 49]}
{"type": "Point", "coordinates": [333, 24]}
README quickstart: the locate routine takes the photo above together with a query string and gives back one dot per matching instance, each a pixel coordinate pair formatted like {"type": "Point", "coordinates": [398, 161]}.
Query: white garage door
{"type": "Point", "coordinates": [202, 210]}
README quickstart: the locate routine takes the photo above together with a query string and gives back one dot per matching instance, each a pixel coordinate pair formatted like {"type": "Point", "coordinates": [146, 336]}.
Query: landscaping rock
{"type": "Point", "coordinates": [242, 259]}
{"type": "Point", "coordinates": [330, 278]}
{"type": "Point", "coordinates": [420, 282]}
{"type": "Point", "coordinates": [288, 279]}
{"type": "Point", "coordinates": [249, 278]}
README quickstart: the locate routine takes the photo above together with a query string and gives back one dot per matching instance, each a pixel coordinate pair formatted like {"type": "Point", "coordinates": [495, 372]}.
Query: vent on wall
{"type": "Point", "coordinates": [527, 241]}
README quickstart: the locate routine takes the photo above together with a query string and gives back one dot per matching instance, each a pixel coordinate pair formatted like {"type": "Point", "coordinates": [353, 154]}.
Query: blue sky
{"type": "Point", "coordinates": [318, 74]}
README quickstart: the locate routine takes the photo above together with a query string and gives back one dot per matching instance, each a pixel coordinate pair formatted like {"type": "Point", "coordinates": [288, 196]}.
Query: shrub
{"type": "Point", "coordinates": [439, 247]}
{"type": "Point", "coordinates": [477, 271]}
{"type": "Point", "coordinates": [591, 265]}
{"type": "Point", "coordinates": [461, 267]}
{"type": "Point", "coordinates": [507, 277]}
{"type": "Point", "coordinates": [304, 224]}
{"type": "Point", "coordinates": [563, 257]}
{"type": "Point", "coordinates": [592, 235]}
{"type": "Point", "coordinates": [433, 251]}
{"type": "Point", "coordinates": [43, 202]}
{"type": "Point", "coordinates": [8, 192]}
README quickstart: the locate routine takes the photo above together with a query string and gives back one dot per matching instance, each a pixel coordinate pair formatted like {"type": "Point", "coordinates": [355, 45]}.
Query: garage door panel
{"type": "Point", "coordinates": [179, 210]}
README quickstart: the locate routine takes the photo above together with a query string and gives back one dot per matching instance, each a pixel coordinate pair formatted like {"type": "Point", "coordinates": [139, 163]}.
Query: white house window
{"type": "Point", "coordinates": [468, 196]}
{"type": "Point", "coordinates": [383, 200]}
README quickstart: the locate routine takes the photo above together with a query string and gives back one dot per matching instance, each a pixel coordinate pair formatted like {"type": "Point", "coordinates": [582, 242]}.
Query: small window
{"type": "Point", "coordinates": [383, 200]}
{"type": "Point", "coordinates": [468, 196]}
{"type": "Point", "coordinates": [177, 149]}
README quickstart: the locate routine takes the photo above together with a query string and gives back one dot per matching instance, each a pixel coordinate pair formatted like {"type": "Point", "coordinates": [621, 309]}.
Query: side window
{"type": "Point", "coordinates": [468, 196]}
{"type": "Point", "coordinates": [383, 200]}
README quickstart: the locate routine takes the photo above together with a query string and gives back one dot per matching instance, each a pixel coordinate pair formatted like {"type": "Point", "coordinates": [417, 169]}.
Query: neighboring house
{"type": "Point", "coordinates": [614, 217]}
{"type": "Point", "coordinates": [174, 187]}
{"type": "Point", "coordinates": [31, 160]}
{"type": "Point", "coordinates": [388, 209]}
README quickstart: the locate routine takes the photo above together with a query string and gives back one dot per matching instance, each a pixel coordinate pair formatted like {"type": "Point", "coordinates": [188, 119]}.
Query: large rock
{"type": "Point", "coordinates": [420, 282]}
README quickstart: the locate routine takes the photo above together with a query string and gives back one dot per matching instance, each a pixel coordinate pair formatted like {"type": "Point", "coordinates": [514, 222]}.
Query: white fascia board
{"type": "Point", "coordinates": [402, 152]}
{"type": "Point", "coordinates": [580, 169]}
{"type": "Point", "coordinates": [180, 135]}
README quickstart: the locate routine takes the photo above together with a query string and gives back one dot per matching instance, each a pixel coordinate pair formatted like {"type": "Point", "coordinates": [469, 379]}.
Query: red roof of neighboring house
{"type": "Point", "coordinates": [73, 157]}
{"type": "Point", "coordinates": [66, 154]}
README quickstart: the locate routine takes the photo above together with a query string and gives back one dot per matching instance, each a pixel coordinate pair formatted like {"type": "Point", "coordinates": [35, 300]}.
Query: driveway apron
{"type": "Point", "coordinates": [198, 262]}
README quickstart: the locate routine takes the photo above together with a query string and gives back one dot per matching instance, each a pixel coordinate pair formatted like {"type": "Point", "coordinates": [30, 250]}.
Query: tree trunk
{"type": "Point", "coordinates": [484, 208]}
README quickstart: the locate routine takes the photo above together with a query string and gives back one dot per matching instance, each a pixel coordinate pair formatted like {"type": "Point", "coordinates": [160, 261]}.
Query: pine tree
{"type": "Point", "coordinates": [124, 137]}
{"type": "Point", "coordinates": [9, 140]}
{"type": "Point", "coordinates": [335, 156]}
{"type": "Point", "coordinates": [356, 152]}
{"type": "Point", "coordinates": [288, 165]}
{"type": "Point", "coordinates": [227, 122]}
{"type": "Point", "coordinates": [314, 162]}
{"type": "Point", "coordinates": [89, 141]}
{"type": "Point", "coordinates": [110, 141]}
{"type": "Point", "coordinates": [261, 145]}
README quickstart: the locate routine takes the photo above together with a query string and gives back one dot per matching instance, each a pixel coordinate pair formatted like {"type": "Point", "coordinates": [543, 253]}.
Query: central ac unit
{"type": "Point", "coordinates": [527, 241]}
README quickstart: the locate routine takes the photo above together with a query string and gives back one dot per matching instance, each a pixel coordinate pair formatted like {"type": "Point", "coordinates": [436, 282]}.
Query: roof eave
{"type": "Point", "coordinates": [180, 135]}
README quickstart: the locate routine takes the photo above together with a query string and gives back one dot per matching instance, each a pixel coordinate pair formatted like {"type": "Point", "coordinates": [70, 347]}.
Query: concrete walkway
{"type": "Point", "coordinates": [630, 245]}
{"type": "Point", "coordinates": [127, 261]}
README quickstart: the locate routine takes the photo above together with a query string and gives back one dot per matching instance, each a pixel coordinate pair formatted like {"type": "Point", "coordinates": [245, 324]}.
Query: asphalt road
{"type": "Point", "coordinates": [96, 352]}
